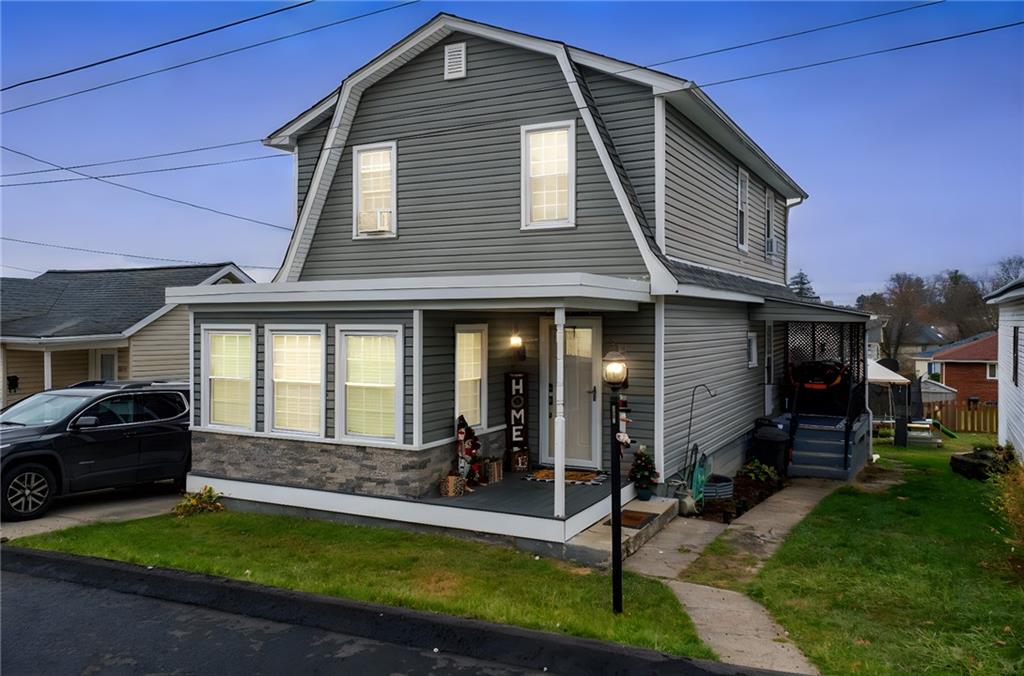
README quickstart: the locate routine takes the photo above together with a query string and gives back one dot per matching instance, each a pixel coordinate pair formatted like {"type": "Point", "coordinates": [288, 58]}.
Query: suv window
{"type": "Point", "coordinates": [114, 411]}
{"type": "Point", "coordinates": [159, 406]}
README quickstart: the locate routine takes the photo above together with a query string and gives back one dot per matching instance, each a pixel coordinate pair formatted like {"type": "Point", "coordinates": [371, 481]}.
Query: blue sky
{"type": "Point", "coordinates": [914, 160]}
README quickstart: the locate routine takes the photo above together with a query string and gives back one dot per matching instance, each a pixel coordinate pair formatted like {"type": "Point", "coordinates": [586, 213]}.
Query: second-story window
{"type": "Point", "coordinates": [549, 175]}
{"type": "Point", "coordinates": [374, 190]}
{"type": "Point", "coordinates": [742, 208]}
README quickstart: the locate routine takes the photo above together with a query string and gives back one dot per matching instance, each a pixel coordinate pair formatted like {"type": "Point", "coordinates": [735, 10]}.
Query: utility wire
{"type": "Point", "coordinates": [210, 57]}
{"type": "Point", "coordinates": [166, 43]}
{"type": "Point", "coordinates": [133, 159]}
{"type": "Point", "coordinates": [147, 192]}
{"type": "Point", "coordinates": [145, 171]}
{"type": "Point", "coordinates": [119, 253]}
{"type": "Point", "coordinates": [536, 90]}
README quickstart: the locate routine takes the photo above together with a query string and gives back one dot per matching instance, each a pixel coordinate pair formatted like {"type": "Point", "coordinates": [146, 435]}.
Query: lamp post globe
{"type": "Point", "coordinates": [615, 369]}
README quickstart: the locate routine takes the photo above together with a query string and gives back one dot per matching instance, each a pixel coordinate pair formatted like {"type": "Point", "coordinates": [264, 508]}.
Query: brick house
{"type": "Point", "coordinates": [971, 367]}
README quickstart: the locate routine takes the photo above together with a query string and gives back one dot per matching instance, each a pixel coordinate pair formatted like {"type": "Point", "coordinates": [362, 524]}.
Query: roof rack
{"type": "Point", "coordinates": [88, 383]}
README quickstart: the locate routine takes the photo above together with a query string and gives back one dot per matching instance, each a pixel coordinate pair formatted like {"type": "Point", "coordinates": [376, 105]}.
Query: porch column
{"type": "Point", "coordinates": [47, 369]}
{"type": "Point", "coordinates": [560, 412]}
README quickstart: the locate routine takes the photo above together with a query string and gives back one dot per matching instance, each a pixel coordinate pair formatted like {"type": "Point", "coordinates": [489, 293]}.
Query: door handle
{"type": "Point", "coordinates": [593, 393]}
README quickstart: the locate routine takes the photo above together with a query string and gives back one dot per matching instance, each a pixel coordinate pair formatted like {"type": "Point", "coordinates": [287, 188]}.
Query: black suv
{"type": "Point", "coordinates": [88, 436]}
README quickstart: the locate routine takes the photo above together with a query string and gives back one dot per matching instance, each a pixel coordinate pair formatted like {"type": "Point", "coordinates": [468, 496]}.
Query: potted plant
{"type": "Point", "coordinates": [642, 474]}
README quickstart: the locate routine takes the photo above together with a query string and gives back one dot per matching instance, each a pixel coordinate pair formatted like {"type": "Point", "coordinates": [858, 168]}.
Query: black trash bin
{"type": "Point", "coordinates": [771, 446]}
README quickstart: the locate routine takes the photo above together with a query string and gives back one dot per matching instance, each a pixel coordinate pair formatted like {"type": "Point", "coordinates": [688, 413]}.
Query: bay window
{"type": "Point", "coordinates": [294, 388]}
{"type": "Point", "coordinates": [548, 175]}
{"type": "Point", "coordinates": [374, 190]}
{"type": "Point", "coordinates": [229, 369]}
{"type": "Point", "coordinates": [370, 378]}
{"type": "Point", "coordinates": [471, 373]}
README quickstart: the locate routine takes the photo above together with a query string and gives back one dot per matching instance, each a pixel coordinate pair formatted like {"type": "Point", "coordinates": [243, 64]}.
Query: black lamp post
{"type": "Point", "coordinates": [615, 372]}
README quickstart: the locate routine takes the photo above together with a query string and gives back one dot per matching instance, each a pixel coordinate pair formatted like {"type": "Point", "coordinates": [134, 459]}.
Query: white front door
{"type": "Point", "coordinates": [582, 393]}
{"type": "Point", "coordinates": [104, 364]}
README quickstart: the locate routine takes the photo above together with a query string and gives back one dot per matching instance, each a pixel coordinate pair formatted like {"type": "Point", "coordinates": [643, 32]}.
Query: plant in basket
{"type": "Point", "coordinates": [643, 474]}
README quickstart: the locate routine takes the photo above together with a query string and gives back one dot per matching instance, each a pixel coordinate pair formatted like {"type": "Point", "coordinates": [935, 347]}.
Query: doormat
{"type": "Point", "coordinates": [574, 477]}
{"type": "Point", "coordinates": [633, 519]}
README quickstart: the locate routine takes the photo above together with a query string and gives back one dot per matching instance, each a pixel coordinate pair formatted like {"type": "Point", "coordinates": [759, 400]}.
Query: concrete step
{"type": "Point", "coordinates": [819, 459]}
{"type": "Point", "coordinates": [593, 546]}
{"type": "Point", "coordinates": [819, 472]}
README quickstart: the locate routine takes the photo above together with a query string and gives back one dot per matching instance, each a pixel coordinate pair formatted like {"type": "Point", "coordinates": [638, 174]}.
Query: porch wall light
{"type": "Point", "coordinates": [518, 349]}
{"type": "Point", "coordinates": [615, 370]}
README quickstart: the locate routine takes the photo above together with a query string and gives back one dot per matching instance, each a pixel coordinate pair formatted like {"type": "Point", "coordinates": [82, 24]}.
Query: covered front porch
{"type": "Point", "coordinates": [31, 365]}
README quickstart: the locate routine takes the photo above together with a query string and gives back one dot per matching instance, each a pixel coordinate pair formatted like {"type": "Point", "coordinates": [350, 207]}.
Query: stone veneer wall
{"type": "Point", "coordinates": [315, 465]}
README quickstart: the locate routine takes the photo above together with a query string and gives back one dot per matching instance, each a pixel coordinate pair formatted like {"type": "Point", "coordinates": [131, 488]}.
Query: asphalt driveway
{"type": "Point", "coordinates": [112, 505]}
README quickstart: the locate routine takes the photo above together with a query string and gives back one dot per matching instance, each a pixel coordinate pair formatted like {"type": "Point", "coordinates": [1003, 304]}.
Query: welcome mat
{"type": "Point", "coordinates": [574, 477]}
{"type": "Point", "coordinates": [634, 519]}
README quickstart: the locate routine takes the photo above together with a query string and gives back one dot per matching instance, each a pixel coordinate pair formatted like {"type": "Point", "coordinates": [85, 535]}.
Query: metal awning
{"type": "Point", "coordinates": [778, 310]}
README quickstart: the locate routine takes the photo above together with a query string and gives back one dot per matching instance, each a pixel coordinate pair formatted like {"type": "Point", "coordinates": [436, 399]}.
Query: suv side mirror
{"type": "Point", "coordinates": [87, 421]}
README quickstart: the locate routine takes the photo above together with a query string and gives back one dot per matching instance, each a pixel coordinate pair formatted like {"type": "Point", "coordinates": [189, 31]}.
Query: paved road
{"type": "Point", "coordinates": [52, 627]}
{"type": "Point", "coordinates": [119, 505]}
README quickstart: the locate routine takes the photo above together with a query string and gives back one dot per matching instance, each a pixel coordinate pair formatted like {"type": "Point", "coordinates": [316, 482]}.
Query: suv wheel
{"type": "Point", "coordinates": [28, 491]}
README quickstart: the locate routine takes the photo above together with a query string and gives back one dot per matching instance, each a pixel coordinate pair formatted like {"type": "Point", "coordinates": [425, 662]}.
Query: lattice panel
{"type": "Point", "coordinates": [814, 341]}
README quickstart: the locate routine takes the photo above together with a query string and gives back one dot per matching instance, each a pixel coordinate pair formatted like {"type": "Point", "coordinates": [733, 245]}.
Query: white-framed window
{"type": "Point", "coordinates": [375, 190]}
{"type": "Point", "coordinates": [229, 377]}
{"type": "Point", "coordinates": [742, 209]}
{"type": "Point", "coordinates": [471, 373]}
{"type": "Point", "coordinates": [992, 370]}
{"type": "Point", "coordinates": [369, 377]}
{"type": "Point", "coordinates": [294, 391]}
{"type": "Point", "coordinates": [751, 349]}
{"type": "Point", "coordinates": [934, 367]}
{"type": "Point", "coordinates": [548, 175]}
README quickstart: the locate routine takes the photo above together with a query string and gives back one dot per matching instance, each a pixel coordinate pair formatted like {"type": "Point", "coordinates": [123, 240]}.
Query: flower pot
{"type": "Point", "coordinates": [644, 494]}
{"type": "Point", "coordinates": [718, 487]}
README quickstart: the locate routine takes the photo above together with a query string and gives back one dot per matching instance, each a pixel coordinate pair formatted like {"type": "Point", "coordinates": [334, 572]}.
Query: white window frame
{"type": "Point", "coordinates": [769, 218]}
{"type": "Point", "coordinates": [392, 146]}
{"type": "Point", "coordinates": [524, 185]}
{"type": "Point", "coordinates": [751, 349]}
{"type": "Point", "coordinates": [340, 358]}
{"type": "Point", "coordinates": [204, 414]}
{"type": "Point", "coordinates": [992, 370]}
{"type": "Point", "coordinates": [482, 330]}
{"type": "Point", "coordinates": [269, 330]}
{"type": "Point", "coordinates": [742, 206]}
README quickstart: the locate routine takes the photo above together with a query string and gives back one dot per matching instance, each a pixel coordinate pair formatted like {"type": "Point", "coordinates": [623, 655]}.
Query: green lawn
{"type": "Point", "coordinates": [392, 567]}
{"type": "Point", "coordinates": [911, 580]}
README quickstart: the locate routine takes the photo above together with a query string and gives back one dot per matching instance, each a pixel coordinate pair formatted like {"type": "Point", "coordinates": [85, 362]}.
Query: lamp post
{"type": "Point", "coordinates": [615, 373]}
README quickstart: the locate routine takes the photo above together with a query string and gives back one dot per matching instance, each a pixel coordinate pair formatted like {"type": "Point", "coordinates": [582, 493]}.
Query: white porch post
{"type": "Point", "coordinates": [47, 369]}
{"type": "Point", "coordinates": [559, 412]}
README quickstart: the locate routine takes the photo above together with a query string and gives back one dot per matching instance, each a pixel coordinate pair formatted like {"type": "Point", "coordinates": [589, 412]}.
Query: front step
{"type": "Point", "coordinates": [820, 472]}
{"type": "Point", "coordinates": [593, 546]}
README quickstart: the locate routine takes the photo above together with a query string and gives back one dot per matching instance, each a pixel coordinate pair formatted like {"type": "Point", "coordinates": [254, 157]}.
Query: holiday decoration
{"type": "Point", "coordinates": [467, 455]}
{"type": "Point", "coordinates": [516, 404]}
{"type": "Point", "coordinates": [643, 473]}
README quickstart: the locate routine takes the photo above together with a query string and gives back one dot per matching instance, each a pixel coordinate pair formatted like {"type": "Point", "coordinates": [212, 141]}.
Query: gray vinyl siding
{"type": "Point", "coordinates": [706, 343]}
{"type": "Point", "coordinates": [628, 112]}
{"type": "Point", "coordinates": [328, 318]}
{"type": "Point", "coordinates": [308, 152]}
{"type": "Point", "coordinates": [700, 205]}
{"type": "Point", "coordinates": [632, 334]}
{"type": "Point", "coordinates": [160, 350]}
{"type": "Point", "coordinates": [459, 189]}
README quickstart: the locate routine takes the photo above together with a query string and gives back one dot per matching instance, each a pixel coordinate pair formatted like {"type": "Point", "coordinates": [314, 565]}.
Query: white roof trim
{"type": "Point", "coordinates": [284, 137]}
{"type": "Point", "coordinates": [60, 340]}
{"type": "Point", "coordinates": [468, 287]}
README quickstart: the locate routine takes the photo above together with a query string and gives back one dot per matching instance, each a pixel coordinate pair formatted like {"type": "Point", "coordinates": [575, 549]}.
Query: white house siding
{"type": "Point", "coordinates": [1011, 397]}
{"type": "Point", "coordinates": [706, 343]}
{"type": "Point", "coordinates": [160, 350]}
{"type": "Point", "coordinates": [700, 206]}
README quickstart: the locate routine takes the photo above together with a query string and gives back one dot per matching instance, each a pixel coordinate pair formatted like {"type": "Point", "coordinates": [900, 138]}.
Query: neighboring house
{"type": "Point", "coordinates": [920, 338]}
{"type": "Point", "coordinates": [66, 326]}
{"type": "Point", "coordinates": [1010, 300]}
{"type": "Point", "coordinates": [874, 328]}
{"type": "Point", "coordinates": [477, 202]}
{"type": "Point", "coordinates": [968, 366]}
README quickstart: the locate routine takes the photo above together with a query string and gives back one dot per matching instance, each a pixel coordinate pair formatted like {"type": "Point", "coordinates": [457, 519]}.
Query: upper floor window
{"type": "Point", "coordinates": [742, 208]}
{"type": "Point", "coordinates": [374, 190]}
{"type": "Point", "coordinates": [471, 373]}
{"type": "Point", "coordinates": [229, 370]}
{"type": "Point", "coordinates": [771, 244]}
{"type": "Point", "coordinates": [549, 175]}
{"type": "Point", "coordinates": [294, 392]}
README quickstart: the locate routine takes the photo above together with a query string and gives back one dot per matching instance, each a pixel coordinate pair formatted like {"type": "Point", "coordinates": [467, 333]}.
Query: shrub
{"type": "Point", "coordinates": [886, 433]}
{"type": "Point", "coordinates": [758, 471]}
{"type": "Point", "coordinates": [1008, 503]}
{"type": "Point", "coordinates": [204, 500]}
{"type": "Point", "coordinates": [643, 473]}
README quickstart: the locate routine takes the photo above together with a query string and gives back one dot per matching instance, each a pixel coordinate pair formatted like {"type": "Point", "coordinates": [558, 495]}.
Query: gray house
{"type": "Point", "coordinates": [475, 203]}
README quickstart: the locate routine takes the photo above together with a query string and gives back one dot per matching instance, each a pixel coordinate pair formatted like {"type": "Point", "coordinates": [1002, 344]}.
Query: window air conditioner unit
{"type": "Point", "coordinates": [771, 246]}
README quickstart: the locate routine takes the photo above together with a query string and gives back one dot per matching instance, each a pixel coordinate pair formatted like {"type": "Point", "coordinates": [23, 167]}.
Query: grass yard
{"type": "Point", "coordinates": [426, 572]}
{"type": "Point", "coordinates": [910, 580]}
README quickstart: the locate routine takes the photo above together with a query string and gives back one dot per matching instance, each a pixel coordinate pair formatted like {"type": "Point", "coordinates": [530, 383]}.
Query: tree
{"type": "Point", "coordinates": [1007, 270]}
{"type": "Point", "coordinates": [907, 300]}
{"type": "Point", "coordinates": [874, 303]}
{"type": "Point", "coordinates": [800, 284]}
{"type": "Point", "coordinates": [958, 302]}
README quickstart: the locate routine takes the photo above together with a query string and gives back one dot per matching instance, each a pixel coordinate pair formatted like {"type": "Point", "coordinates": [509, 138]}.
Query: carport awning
{"type": "Point", "coordinates": [774, 309]}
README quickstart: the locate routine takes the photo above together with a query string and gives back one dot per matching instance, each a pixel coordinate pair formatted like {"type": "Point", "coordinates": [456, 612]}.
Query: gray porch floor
{"type": "Point", "coordinates": [515, 495]}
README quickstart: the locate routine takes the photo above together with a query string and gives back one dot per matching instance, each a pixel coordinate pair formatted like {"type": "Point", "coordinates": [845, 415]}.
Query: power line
{"type": "Point", "coordinates": [147, 192]}
{"type": "Point", "coordinates": [118, 253]}
{"type": "Point", "coordinates": [542, 89]}
{"type": "Point", "coordinates": [134, 159]}
{"type": "Point", "coordinates": [210, 57]}
{"type": "Point", "coordinates": [156, 46]}
{"type": "Point", "coordinates": [144, 171]}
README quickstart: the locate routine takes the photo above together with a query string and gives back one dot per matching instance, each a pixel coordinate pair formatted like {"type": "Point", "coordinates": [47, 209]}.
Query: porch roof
{"type": "Point", "coordinates": [569, 289]}
{"type": "Point", "coordinates": [802, 311]}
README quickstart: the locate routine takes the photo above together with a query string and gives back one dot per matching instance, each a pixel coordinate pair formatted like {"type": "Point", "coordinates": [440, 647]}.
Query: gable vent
{"type": "Point", "coordinates": [455, 61]}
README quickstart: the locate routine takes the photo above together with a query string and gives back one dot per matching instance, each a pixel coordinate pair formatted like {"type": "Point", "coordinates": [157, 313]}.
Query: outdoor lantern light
{"type": "Point", "coordinates": [615, 370]}
{"type": "Point", "coordinates": [516, 343]}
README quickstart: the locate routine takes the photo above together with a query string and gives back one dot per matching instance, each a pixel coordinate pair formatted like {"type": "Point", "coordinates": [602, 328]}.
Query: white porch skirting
{"type": "Point", "coordinates": [414, 511]}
